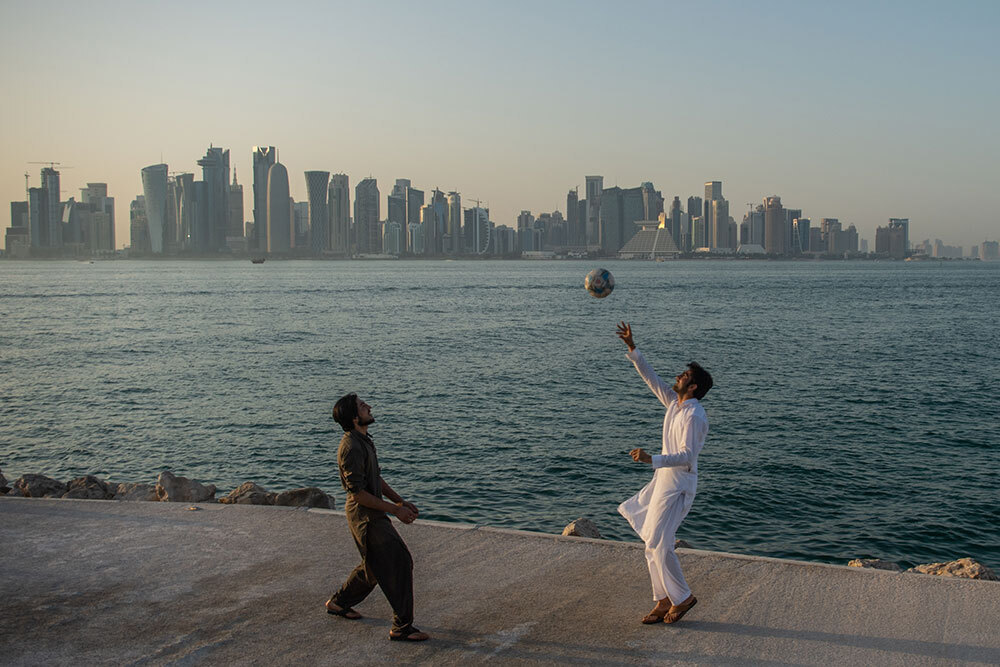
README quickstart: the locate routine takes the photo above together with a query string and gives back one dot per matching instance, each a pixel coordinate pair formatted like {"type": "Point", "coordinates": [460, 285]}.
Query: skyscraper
{"type": "Point", "coordinates": [139, 242]}
{"type": "Point", "coordinates": [572, 218]}
{"type": "Point", "coordinates": [904, 225]}
{"type": "Point", "coordinates": [595, 189]}
{"type": "Point", "coordinates": [215, 173]}
{"type": "Point", "coordinates": [439, 226]}
{"type": "Point", "coordinates": [53, 203]}
{"type": "Point", "coordinates": [319, 214]}
{"type": "Point", "coordinates": [279, 210]}
{"type": "Point", "coordinates": [774, 226]}
{"type": "Point", "coordinates": [263, 158]}
{"type": "Point", "coordinates": [154, 191]}
{"type": "Point", "coordinates": [102, 235]}
{"type": "Point", "coordinates": [478, 229]}
{"type": "Point", "coordinates": [235, 228]}
{"type": "Point", "coordinates": [367, 221]}
{"type": "Point", "coordinates": [612, 214]}
{"type": "Point", "coordinates": [715, 229]}
{"type": "Point", "coordinates": [339, 203]}
{"type": "Point", "coordinates": [652, 202]}
{"type": "Point", "coordinates": [414, 202]}
{"type": "Point", "coordinates": [721, 236]}
{"type": "Point", "coordinates": [184, 203]}
{"type": "Point", "coordinates": [455, 222]}
{"type": "Point", "coordinates": [674, 225]}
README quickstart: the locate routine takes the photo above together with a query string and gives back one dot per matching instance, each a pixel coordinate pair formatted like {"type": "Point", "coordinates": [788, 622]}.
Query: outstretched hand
{"type": "Point", "coordinates": [625, 333]}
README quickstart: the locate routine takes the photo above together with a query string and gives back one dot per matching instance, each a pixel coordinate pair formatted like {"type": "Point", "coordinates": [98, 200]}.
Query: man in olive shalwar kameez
{"type": "Point", "coordinates": [385, 560]}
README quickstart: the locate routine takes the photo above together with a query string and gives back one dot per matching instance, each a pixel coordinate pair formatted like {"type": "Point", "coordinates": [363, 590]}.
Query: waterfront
{"type": "Point", "coordinates": [854, 412]}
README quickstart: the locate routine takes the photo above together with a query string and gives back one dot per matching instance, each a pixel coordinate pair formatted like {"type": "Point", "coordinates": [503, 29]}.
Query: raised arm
{"type": "Point", "coordinates": [659, 388]}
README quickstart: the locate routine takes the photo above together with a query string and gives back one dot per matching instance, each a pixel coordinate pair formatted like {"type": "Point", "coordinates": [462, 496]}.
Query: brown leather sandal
{"type": "Point", "coordinates": [677, 612]}
{"type": "Point", "coordinates": [411, 635]}
{"type": "Point", "coordinates": [344, 612]}
{"type": "Point", "coordinates": [654, 617]}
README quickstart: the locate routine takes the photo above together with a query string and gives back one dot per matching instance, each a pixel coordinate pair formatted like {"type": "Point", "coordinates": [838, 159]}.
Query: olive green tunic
{"type": "Point", "coordinates": [385, 560]}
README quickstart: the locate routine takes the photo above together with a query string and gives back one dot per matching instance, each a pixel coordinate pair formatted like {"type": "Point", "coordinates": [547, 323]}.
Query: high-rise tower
{"type": "Point", "coordinates": [774, 226]}
{"type": "Point", "coordinates": [366, 216]}
{"type": "Point", "coordinates": [279, 210]}
{"type": "Point", "coordinates": [595, 188]}
{"type": "Point", "coordinates": [215, 173]}
{"type": "Point", "coordinates": [339, 203]}
{"type": "Point", "coordinates": [454, 223]}
{"type": "Point", "coordinates": [154, 191]}
{"type": "Point", "coordinates": [263, 158]}
{"type": "Point", "coordinates": [319, 214]}
{"type": "Point", "coordinates": [235, 227]}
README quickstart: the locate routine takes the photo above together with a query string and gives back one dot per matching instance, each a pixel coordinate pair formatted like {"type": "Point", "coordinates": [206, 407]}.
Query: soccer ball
{"type": "Point", "coordinates": [599, 283]}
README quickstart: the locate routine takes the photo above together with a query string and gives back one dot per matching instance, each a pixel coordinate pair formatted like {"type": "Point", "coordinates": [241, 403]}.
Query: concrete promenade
{"type": "Point", "coordinates": [156, 583]}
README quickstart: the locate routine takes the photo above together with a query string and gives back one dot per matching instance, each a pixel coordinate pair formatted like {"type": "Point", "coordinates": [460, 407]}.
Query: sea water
{"type": "Point", "coordinates": [855, 408]}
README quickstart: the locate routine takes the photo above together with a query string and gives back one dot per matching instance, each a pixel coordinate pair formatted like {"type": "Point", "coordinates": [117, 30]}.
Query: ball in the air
{"type": "Point", "coordinates": [599, 283]}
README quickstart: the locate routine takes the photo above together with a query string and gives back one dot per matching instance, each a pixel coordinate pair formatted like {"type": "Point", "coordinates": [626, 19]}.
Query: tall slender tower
{"type": "Point", "coordinates": [53, 208]}
{"type": "Point", "coordinates": [154, 190]}
{"type": "Point", "coordinates": [595, 188]}
{"type": "Point", "coordinates": [184, 194]}
{"type": "Point", "coordinates": [572, 217]}
{"type": "Point", "coordinates": [339, 203]}
{"type": "Point", "coordinates": [713, 192]}
{"type": "Point", "coordinates": [215, 173]}
{"type": "Point", "coordinates": [319, 214]}
{"type": "Point", "coordinates": [366, 216]}
{"type": "Point", "coordinates": [279, 210]}
{"type": "Point", "coordinates": [455, 223]}
{"type": "Point", "coordinates": [235, 227]}
{"type": "Point", "coordinates": [263, 158]}
{"type": "Point", "coordinates": [774, 226]}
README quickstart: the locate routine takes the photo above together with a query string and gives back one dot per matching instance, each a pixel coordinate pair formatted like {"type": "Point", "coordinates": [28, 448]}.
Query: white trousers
{"type": "Point", "coordinates": [664, 567]}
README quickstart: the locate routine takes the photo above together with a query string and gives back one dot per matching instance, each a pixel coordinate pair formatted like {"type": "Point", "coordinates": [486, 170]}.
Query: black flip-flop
{"type": "Point", "coordinates": [343, 612]}
{"type": "Point", "coordinates": [411, 635]}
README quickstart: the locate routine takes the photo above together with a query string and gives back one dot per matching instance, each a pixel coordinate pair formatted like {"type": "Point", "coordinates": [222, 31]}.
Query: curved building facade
{"type": "Point", "coordinates": [154, 190]}
{"type": "Point", "coordinates": [279, 210]}
{"type": "Point", "coordinates": [319, 215]}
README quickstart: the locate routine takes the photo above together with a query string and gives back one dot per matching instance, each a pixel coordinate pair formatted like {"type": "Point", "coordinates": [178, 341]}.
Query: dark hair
{"type": "Point", "coordinates": [345, 411]}
{"type": "Point", "coordinates": [701, 378]}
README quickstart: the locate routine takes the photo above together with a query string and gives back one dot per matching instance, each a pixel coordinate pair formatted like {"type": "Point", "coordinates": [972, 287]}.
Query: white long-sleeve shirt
{"type": "Point", "coordinates": [685, 425]}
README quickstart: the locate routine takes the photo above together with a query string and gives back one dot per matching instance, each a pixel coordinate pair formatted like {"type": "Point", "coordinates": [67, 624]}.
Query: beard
{"type": "Point", "coordinates": [366, 422]}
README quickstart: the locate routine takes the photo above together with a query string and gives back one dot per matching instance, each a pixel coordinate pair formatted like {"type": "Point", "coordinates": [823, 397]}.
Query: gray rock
{"type": "Point", "coordinates": [88, 487]}
{"type": "Point", "coordinates": [582, 527]}
{"type": "Point", "coordinates": [15, 493]}
{"type": "Point", "coordinates": [681, 544]}
{"type": "Point", "coordinates": [39, 486]}
{"type": "Point", "coordinates": [249, 493]}
{"type": "Point", "coordinates": [173, 489]}
{"type": "Point", "coordinates": [136, 491]}
{"type": "Point", "coordinates": [875, 564]}
{"type": "Point", "coordinates": [308, 496]}
{"type": "Point", "coordinates": [967, 568]}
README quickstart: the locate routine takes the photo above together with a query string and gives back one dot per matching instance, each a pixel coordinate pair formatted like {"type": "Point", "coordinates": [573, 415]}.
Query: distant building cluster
{"type": "Point", "coordinates": [177, 215]}
{"type": "Point", "coordinates": [45, 226]}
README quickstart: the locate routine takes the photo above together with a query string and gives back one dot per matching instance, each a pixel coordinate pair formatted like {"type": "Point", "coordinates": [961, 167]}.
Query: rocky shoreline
{"type": "Point", "coordinates": [172, 488]}
{"type": "Point", "coordinates": [168, 488]}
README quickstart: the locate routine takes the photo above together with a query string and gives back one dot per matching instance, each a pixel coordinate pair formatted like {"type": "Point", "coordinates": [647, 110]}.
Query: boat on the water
{"type": "Point", "coordinates": [257, 260]}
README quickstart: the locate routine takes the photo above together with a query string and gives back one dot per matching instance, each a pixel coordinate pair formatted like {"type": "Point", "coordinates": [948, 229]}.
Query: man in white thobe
{"type": "Point", "coordinates": [658, 509]}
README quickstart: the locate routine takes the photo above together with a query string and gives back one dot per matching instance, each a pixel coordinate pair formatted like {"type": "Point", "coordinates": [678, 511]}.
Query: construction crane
{"type": "Point", "coordinates": [52, 164]}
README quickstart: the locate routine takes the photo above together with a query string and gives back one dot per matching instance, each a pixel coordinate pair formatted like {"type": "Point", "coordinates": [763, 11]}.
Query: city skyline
{"type": "Point", "coordinates": [854, 112]}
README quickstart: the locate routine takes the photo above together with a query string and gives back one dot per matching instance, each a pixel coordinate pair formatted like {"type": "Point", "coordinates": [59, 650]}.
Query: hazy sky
{"type": "Point", "coordinates": [860, 111]}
